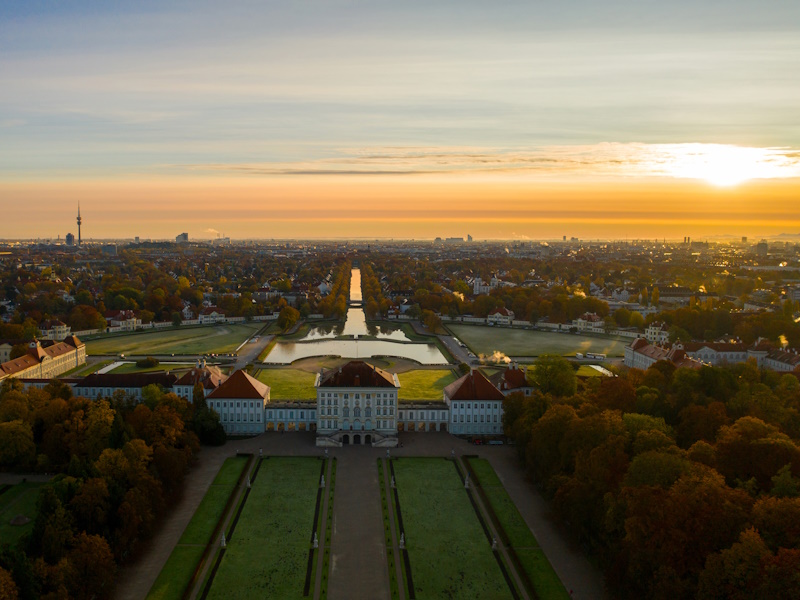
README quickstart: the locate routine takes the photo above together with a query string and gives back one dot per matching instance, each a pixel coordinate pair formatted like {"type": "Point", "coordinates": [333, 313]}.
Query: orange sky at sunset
{"type": "Point", "coordinates": [486, 206]}
{"type": "Point", "coordinates": [413, 119]}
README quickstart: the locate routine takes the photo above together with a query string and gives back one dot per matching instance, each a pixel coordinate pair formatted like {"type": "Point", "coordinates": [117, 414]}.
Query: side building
{"type": "Point", "coordinates": [476, 405]}
{"type": "Point", "coordinates": [46, 360]}
{"type": "Point", "coordinates": [240, 401]}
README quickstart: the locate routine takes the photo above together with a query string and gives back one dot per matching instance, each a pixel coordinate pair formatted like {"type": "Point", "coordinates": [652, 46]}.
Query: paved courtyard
{"type": "Point", "coordinates": [358, 551]}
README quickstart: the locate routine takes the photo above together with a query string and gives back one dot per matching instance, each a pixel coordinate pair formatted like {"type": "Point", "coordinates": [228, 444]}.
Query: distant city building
{"type": "Point", "coordinates": [454, 240]}
{"type": "Point", "coordinates": [469, 238]}
{"type": "Point", "coordinates": [110, 250]}
{"type": "Point", "coordinates": [79, 223]}
{"type": "Point", "coordinates": [762, 248]}
{"type": "Point", "coordinates": [183, 238]}
{"type": "Point", "coordinates": [744, 239]}
{"type": "Point", "coordinates": [70, 239]}
{"type": "Point", "coordinates": [136, 240]}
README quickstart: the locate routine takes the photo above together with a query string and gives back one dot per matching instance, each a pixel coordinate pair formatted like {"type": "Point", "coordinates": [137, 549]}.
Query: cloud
{"type": "Point", "coordinates": [717, 163]}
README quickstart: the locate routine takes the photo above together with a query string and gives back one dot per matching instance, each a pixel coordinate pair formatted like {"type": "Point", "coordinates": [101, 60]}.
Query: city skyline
{"type": "Point", "coordinates": [342, 120]}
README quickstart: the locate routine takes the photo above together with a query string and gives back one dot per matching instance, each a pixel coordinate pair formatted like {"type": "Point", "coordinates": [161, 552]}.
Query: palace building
{"type": "Point", "coordinates": [357, 404]}
{"type": "Point", "coordinates": [46, 360]}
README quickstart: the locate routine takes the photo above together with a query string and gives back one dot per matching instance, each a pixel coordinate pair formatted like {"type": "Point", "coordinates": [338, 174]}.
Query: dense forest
{"type": "Point", "coordinates": [119, 466]}
{"type": "Point", "coordinates": [683, 483]}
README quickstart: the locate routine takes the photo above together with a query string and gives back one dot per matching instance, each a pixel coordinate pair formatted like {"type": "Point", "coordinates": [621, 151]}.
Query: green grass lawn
{"type": "Point", "coordinates": [289, 384]}
{"type": "Point", "coordinates": [178, 340]}
{"type": "Point", "coordinates": [132, 368]}
{"type": "Point", "coordinates": [449, 553]}
{"type": "Point", "coordinates": [524, 342]}
{"type": "Point", "coordinates": [268, 553]}
{"type": "Point", "coordinates": [424, 384]}
{"type": "Point", "coordinates": [176, 574]}
{"type": "Point", "coordinates": [544, 579]}
{"type": "Point", "coordinates": [19, 500]}
{"type": "Point", "coordinates": [86, 369]}
{"type": "Point", "coordinates": [587, 371]}
{"type": "Point", "coordinates": [179, 568]}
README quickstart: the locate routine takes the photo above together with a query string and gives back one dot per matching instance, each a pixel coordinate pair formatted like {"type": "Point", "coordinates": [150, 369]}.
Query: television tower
{"type": "Point", "coordinates": [79, 223]}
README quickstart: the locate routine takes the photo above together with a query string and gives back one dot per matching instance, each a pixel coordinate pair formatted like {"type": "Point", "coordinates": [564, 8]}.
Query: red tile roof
{"type": "Point", "coordinates": [512, 378]}
{"type": "Point", "coordinates": [241, 385]}
{"type": "Point", "coordinates": [357, 373]}
{"type": "Point", "coordinates": [473, 386]}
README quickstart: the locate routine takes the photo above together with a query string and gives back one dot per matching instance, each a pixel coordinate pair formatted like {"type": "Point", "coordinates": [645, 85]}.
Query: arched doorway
{"type": "Point", "coordinates": [345, 439]}
{"type": "Point", "coordinates": [281, 427]}
{"type": "Point", "coordinates": [367, 439]}
{"type": "Point", "coordinates": [356, 439]}
{"type": "Point", "coordinates": [356, 425]}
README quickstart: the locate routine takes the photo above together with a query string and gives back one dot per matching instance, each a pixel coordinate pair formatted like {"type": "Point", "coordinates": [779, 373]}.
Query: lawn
{"type": "Point", "coordinates": [524, 342]}
{"type": "Point", "coordinates": [132, 368]}
{"type": "Point", "coordinates": [19, 500]}
{"type": "Point", "coordinates": [289, 384]}
{"type": "Point", "coordinates": [545, 582]}
{"type": "Point", "coordinates": [178, 570]}
{"type": "Point", "coordinates": [267, 555]}
{"type": "Point", "coordinates": [449, 553]}
{"type": "Point", "coordinates": [587, 371]}
{"type": "Point", "coordinates": [178, 340]}
{"type": "Point", "coordinates": [424, 384]}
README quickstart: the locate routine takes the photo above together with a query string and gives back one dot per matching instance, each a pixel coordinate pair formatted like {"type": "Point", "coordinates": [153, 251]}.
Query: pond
{"type": "Point", "coordinates": [338, 340]}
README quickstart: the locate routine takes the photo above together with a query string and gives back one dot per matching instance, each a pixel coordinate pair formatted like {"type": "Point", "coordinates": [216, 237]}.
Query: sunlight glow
{"type": "Point", "coordinates": [723, 165]}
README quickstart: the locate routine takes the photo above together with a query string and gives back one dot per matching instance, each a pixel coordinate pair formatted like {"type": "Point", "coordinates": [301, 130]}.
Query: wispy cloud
{"type": "Point", "coordinates": [717, 163]}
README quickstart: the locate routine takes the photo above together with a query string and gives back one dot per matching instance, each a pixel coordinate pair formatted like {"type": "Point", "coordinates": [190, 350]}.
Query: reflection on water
{"type": "Point", "coordinates": [355, 324]}
{"type": "Point", "coordinates": [335, 340]}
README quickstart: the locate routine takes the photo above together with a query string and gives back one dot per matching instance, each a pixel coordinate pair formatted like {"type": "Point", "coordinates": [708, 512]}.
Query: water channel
{"type": "Point", "coordinates": [344, 341]}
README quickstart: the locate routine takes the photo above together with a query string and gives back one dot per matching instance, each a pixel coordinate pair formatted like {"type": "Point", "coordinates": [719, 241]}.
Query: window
{"type": "Point", "coordinates": [368, 412]}
{"type": "Point", "coordinates": [468, 418]}
{"type": "Point", "coordinates": [462, 418]}
{"type": "Point", "coordinates": [358, 396]}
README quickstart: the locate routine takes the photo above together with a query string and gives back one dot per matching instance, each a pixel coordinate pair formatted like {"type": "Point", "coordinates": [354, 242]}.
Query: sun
{"type": "Point", "coordinates": [722, 165]}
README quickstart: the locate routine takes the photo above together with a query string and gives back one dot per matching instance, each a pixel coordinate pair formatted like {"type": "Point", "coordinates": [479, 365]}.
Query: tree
{"type": "Point", "coordinates": [431, 320]}
{"type": "Point", "coordinates": [655, 297]}
{"type": "Point", "coordinates": [177, 319]}
{"type": "Point", "coordinates": [90, 568]}
{"type": "Point", "coordinates": [734, 573]}
{"type": "Point", "coordinates": [288, 317]}
{"type": "Point", "coordinates": [554, 375]}
{"type": "Point", "coordinates": [17, 449]}
{"type": "Point", "coordinates": [18, 350]}
{"type": "Point", "coordinates": [8, 589]}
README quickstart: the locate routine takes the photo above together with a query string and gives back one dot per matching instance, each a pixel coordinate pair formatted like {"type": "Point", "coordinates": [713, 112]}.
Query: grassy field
{"type": "Point", "coordinates": [179, 568]}
{"type": "Point", "coordinates": [178, 340]}
{"type": "Point", "coordinates": [132, 368]}
{"type": "Point", "coordinates": [587, 371]}
{"type": "Point", "coordinates": [524, 342]}
{"type": "Point", "coordinates": [424, 384]}
{"type": "Point", "coordinates": [449, 553]}
{"type": "Point", "coordinates": [289, 384]}
{"type": "Point", "coordinates": [268, 553]}
{"type": "Point", "coordinates": [544, 579]}
{"type": "Point", "coordinates": [19, 500]}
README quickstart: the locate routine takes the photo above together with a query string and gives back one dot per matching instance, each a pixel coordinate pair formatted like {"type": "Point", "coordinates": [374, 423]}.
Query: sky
{"type": "Point", "coordinates": [341, 119]}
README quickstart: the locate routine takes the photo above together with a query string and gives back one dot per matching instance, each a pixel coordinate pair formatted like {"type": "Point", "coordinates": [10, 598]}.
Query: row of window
{"type": "Point", "coordinates": [489, 418]}
{"type": "Point", "coordinates": [422, 415]}
{"type": "Point", "coordinates": [474, 405]}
